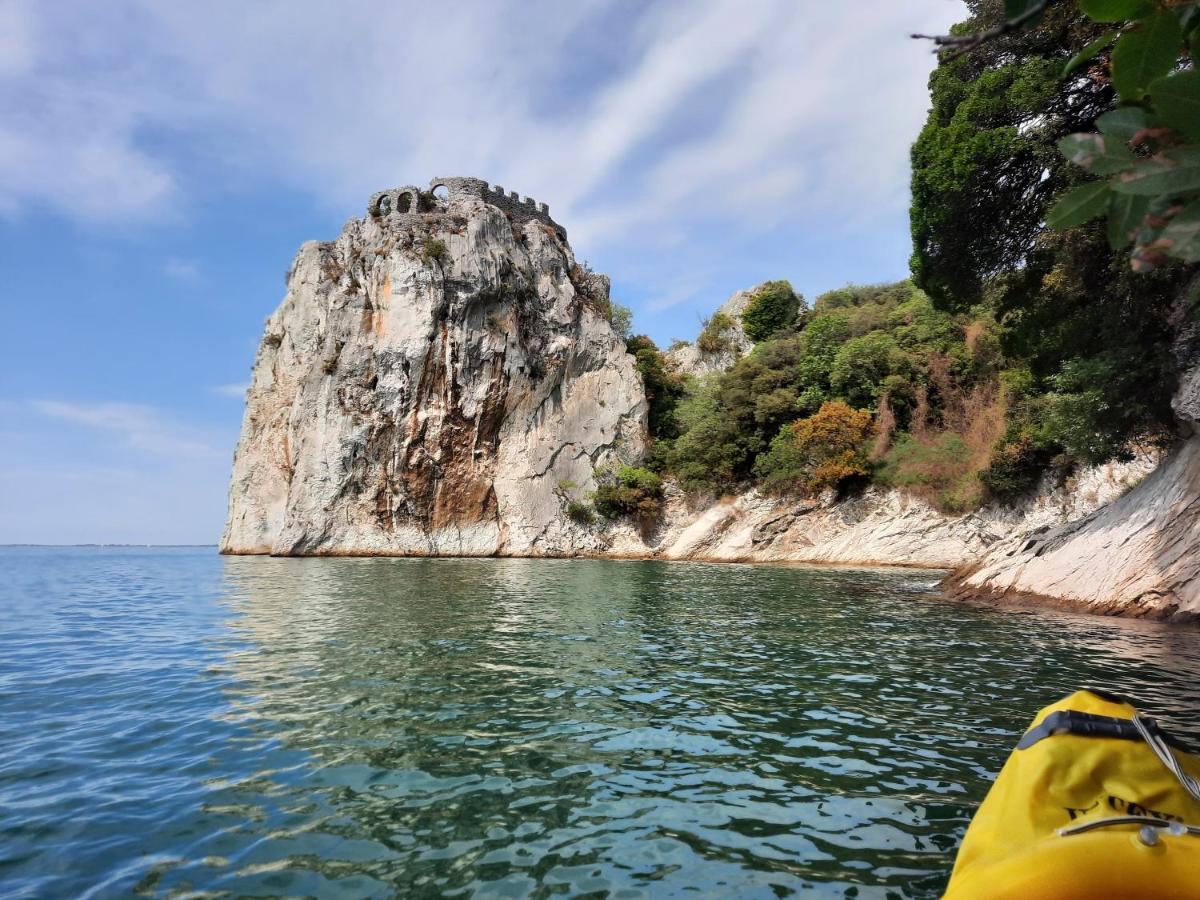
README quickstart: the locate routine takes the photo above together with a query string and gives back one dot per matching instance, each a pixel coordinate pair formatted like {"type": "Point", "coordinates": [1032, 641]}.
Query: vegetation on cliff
{"type": "Point", "coordinates": [871, 382]}
{"type": "Point", "coordinates": [1014, 348]}
{"type": "Point", "coordinates": [1094, 336]}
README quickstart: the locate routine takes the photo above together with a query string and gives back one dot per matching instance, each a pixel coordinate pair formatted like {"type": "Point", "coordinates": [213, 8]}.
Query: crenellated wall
{"type": "Point", "coordinates": [404, 201]}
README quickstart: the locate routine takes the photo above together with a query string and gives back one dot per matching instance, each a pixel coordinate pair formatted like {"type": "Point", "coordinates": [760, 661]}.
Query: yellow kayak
{"type": "Point", "coordinates": [1096, 801]}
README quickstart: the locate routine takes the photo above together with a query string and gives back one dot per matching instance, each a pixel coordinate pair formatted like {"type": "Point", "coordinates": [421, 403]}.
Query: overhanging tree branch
{"type": "Point", "coordinates": [965, 43]}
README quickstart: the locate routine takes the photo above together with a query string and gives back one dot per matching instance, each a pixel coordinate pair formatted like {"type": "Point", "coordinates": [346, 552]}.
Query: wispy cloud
{"type": "Point", "coordinates": [232, 390]}
{"type": "Point", "coordinates": [140, 427]}
{"type": "Point", "coordinates": [715, 105]}
{"type": "Point", "coordinates": [181, 269]}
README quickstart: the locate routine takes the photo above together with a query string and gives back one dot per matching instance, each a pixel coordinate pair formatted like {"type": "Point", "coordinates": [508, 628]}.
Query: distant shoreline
{"type": "Point", "coordinates": [111, 546]}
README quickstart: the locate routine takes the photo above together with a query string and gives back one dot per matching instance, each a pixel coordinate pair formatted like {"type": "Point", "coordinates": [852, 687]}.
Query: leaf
{"type": "Point", "coordinates": [1173, 172]}
{"type": "Point", "coordinates": [1079, 205]}
{"type": "Point", "coordinates": [1181, 237]}
{"type": "Point", "coordinates": [1123, 123]}
{"type": "Point", "coordinates": [1088, 53]}
{"type": "Point", "coordinates": [1177, 100]}
{"type": "Point", "coordinates": [1116, 10]}
{"type": "Point", "coordinates": [1097, 153]}
{"type": "Point", "coordinates": [1146, 54]}
{"type": "Point", "coordinates": [1125, 215]}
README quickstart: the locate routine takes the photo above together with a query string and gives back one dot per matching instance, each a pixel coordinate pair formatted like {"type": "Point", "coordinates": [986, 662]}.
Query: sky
{"type": "Point", "coordinates": [160, 164]}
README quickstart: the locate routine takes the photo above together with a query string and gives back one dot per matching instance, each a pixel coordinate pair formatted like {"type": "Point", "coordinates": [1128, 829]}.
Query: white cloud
{"type": "Point", "coordinates": [237, 391]}
{"type": "Point", "coordinates": [181, 269]}
{"type": "Point", "coordinates": [112, 111]}
{"type": "Point", "coordinates": [139, 427]}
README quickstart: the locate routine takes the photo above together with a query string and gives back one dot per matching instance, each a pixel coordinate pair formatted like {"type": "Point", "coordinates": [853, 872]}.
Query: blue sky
{"type": "Point", "coordinates": [160, 163]}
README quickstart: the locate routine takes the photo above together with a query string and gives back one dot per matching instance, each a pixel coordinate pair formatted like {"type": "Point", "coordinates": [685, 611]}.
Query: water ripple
{"type": "Point", "coordinates": [173, 723]}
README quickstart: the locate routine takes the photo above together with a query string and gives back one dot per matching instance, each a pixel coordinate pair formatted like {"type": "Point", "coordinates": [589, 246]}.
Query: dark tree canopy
{"type": "Point", "coordinates": [985, 167]}
{"type": "Point", "coordinates": [986, 171]}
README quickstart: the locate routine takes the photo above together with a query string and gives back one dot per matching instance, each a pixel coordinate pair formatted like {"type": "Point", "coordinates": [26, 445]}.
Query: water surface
{"type": "Point", "coordinates": [172, 722]}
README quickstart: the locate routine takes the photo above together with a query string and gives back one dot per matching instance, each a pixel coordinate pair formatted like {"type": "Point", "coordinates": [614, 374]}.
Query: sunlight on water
{"type": "Point", "coordinates": [173, 721]}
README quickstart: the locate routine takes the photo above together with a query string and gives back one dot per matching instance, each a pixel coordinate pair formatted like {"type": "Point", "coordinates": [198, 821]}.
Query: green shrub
{"type": "Point", "coordinates": [714, 337]}
{"type": "Point", "coordinates": [630, 491]}
{"type": "Point", "coordinates": [861, 366]}
{"type": "Point", "coordinates": [773, 308]}
{"type": "Point", "coordinates": [621, 318]}
{"type": "Point", "coordinates": [938, 469]}
{"type": "Point", "coordinates": [711, 450]}
{"type": "Point", "coordinates": [434, 250]}
{"type": "Point", "coordinates": [1015, 468]}
{"type": "Point", "coordinates": [662, 384]}
{"type": "Point", "coordinates": [580, 513]}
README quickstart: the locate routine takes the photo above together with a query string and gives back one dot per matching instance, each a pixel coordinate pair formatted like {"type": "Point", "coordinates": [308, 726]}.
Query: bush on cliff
{"type": "Point", "coordinates": [714, 336]}
{"type": "Point", "coordinates": [858, 345]}
{"type": "Point", "coordinates": [937, 469]}
{"type": "Point", "coordinates": [629, 491]}
{"type": "Point", "coordinates": [580, 513]}
{"type": "Point", "coordinates": [663, 386]}
{"type": "Point", "coordinates": [773, 308]}
{"type": "Point", "coordinates": [823, 451]}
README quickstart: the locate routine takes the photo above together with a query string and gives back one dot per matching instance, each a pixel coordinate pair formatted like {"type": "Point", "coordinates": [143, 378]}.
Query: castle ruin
{"type": "Point", "coordinates": [413, 201]}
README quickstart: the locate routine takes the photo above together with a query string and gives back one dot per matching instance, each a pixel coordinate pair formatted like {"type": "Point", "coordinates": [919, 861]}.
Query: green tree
{"type": "Point", "coordinates": [621, 317]}
{"type": "Point", "coordinates": [987, 170]}
{"type": "Point", "coordinates": [663, 386]}
{"type": "Point", "coordinates": [773, 308]}
{"type": "Point", "coordinates": [861, 366]}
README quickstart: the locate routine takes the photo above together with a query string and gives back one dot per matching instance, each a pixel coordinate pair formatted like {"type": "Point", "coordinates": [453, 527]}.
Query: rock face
{"type": "Point", "coordinates": [1139, 556]}
{"type": "Point", "coordinates": [689, 359]}
{"type": "Point", "coordinates": [880, 527]}
{"type": "Point", "coordinates": [430, 380]}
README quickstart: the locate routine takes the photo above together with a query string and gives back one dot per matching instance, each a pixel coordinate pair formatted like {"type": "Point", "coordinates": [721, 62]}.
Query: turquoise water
{"type": "Point", "coordinates": [172, 721]}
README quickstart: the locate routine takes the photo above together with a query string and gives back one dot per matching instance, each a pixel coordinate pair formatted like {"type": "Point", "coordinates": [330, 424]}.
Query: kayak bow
{"type": "Point", "coordinates": [1095, 801]}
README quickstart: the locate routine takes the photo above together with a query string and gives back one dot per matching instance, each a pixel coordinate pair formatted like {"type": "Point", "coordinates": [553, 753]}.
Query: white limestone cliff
{"type": "Point", "coordinates": [427, 383]}
{"type": "Point", "coordinates": [442, 379]}
{"type": "Point", "coordinates": [690, 359]}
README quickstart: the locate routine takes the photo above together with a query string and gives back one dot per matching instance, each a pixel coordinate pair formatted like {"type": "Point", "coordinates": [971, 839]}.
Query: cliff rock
{"type": "Point", "coordinates": [1138, 556]}
{"type": "Point", "coordinates": [429, 381]}
{"type": "Point", "coordinates": [689, 359]}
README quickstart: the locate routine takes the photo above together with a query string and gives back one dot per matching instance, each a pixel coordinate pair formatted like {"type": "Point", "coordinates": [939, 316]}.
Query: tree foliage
{"type": "Point", "coordinates": [987, 170]}
{"type": "Point", "coordinates": [663, 385]}
{"type": "Point", "coordinates": [714, 333]}
{"type": "Point", "coordinates": [773, 308]}
{"type": "Point", "coordinates": [819, 452]}
{"type": "Point", "coordinates": [629, 491]}
{"type": "Point", "coordinates": [858, 346]}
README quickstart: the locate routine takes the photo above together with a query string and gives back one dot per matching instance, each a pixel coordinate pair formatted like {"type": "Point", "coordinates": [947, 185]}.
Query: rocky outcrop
{"type": "Point", "coordinates": [690, 359]}
{"type": "Point", "coordinates": [879, 527]}
{"type": "Point", "coordinates": [1139, 556]}
{"type": "Point", "coordinates": [430, 380]}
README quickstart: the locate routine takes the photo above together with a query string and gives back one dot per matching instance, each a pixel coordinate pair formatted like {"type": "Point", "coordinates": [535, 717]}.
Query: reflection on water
{"type": "Point", "coordinates": [521, 727]}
